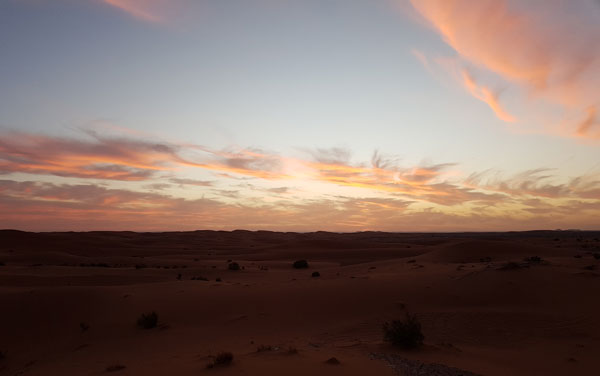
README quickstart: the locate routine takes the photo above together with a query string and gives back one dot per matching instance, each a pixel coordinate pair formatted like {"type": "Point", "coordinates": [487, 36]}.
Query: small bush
{"type": "Point", "coordinates": [199, 278]}
{"type": "Point", "coordinates": [333, 361]}
{"type": "Point", "coordinates": [316, 274]}
{"type": "Point", "coordinates": [222, 359]}
{"type": "Point", "coordinates": [511, 265]}
{"type": "Point", "coordinates": [404, 333]}
{"type": "Point", "coordinates": [148, 320]}
{"type": "Point", "coordinates": [2, 355]}
{"type": "Point", "coordinates": [300, 264]}
{"type": "Point", "coordinates": [115, 368]}
{"type": "Point", "coordinates": [597, 256]}
{"type": "Point", "coordinates": [534, 259]}
{"type": "Point", "coordinates": [233, 266]}
{"type": "Point", "coordinates": [84, 327]}
{"type": "Point", "coordinates": [263, 348]}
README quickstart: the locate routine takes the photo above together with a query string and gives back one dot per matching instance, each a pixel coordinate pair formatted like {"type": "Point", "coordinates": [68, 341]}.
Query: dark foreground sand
{"type": "Point", "coordinates": [530, 318]}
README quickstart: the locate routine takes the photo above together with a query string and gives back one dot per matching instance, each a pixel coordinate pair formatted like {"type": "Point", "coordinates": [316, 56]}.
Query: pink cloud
{"type": "Point", "coordinates": [552, 54]}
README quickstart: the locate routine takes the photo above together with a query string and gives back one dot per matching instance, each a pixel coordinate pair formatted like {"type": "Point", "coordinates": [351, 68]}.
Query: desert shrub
{"type": "Point", "coordinates": [292, 350]}
{"type": "Point", "coordinates": [115, 368]}
{"type": "Point", "coordinates": [511, 265]}
{"type": "Point", "coordinates": [333, 361]}
{"type": "Point", "coordinates": [84, 327]}
{"type": "Point", "coordinates": [300, 264]}
{"type": "Point", "coordinates": [233, 266]}
{"type": "Point", "coordinates": [218, 279]}
{"type": "Point", "coordinates": [224, 358]}
{"type": "Point", "coordinates": [199, 278]}
{"type": "Point", "coordinates": [263, 348]}
{"type": "Point", "coordinates": [2, 263]}
{"type": "Point", "coordinates": [2, 355]}
{"type": "Point", "coordinates": [597, 256]}
{"type": "Point", "coordinates": [148, 320]}
{"type": "Point", "coordinates": [534, 259]}
{"type": "Point", "coordinates": [316, 274]}
{"type": "Point", "coordinates": [404, 333]}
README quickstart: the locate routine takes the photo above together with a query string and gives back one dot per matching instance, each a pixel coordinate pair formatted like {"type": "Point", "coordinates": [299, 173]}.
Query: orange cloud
{"type": "Point", "coordinates": [485, 95]}
{"type": "Point", "coordinates": [552, 54]}
{"type": "Point", "coordinates": [590, 126]}
{"type": "Point", "coordinates": [100, 158]}
{"type": "Point", "coordinates": [147, 10]}
{"type": "Point", "coordinates": [45, 207]}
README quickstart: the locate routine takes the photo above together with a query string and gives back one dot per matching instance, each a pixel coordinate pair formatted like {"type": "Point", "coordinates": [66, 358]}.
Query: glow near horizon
{"type": "Point", "coordinates": [344, 115]}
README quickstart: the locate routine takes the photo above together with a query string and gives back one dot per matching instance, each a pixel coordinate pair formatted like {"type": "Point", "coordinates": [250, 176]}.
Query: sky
{"type": "Point", "coordinates": [299, 115]}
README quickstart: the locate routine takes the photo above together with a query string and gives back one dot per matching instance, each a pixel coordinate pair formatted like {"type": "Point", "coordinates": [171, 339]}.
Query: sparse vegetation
{"type": "Point", "coordinates": [115, 368]}
{"type": "Point", "coordinates": [199, 278]}
{"type": "Point", "coordinates": [224, 358]}
{"type": "Point", "coordinates": [316, 274]}
{"type": "Point", "coordinates": [300, 264]}
{"type": "Point", "coordinates": [511, 265]}
{"type": "Point", "coordinates": [404, 333]}
{"type": "Point", "coordinates": [333, 361]}
{"type": "Point", "coordinates": [84, 327]}
{"type": "Point", "coordinates": [534, 259]}
{"type": "Point", "coordinates": [148, 320]}
{"type": "Point", "coordinates": [263, 348]}
{"type": "Point", "coordinates": [233, 266]}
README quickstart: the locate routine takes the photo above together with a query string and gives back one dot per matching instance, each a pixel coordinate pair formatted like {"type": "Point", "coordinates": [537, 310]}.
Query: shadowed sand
{"type": "Point", "coordinates": [69, 302]}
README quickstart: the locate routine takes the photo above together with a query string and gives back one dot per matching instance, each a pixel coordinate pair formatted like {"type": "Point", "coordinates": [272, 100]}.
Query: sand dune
{"type": "Point", "coordinates": [70, 302]}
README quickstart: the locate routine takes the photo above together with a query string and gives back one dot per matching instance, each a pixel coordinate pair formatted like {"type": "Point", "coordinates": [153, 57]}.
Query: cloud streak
{"type": "Point", "coordinates": [487, 96]}
{"type": "Point", "coordinates": [146, 10]}
{"type": "Point", "coordinates": [552, 55]}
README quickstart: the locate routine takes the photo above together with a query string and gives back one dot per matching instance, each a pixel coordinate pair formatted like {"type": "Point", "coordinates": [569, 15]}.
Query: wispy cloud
{"type": "Point", "coordinates": [147, 10]}
{"type": "Point", "coordinates": [46, 206]}
{"type": "Point", "coordinates": [357, 195]}
{"type": "Point", "coordinates": [487, 96]}
{"type": "Point", "coordinates": [551, 55]}
{"type": "Point", "coordinates": [99, 157]}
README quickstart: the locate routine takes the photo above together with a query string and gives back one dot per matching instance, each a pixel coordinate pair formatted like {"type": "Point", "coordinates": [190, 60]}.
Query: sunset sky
{"type": "Point", "coordinates": [299, 115]}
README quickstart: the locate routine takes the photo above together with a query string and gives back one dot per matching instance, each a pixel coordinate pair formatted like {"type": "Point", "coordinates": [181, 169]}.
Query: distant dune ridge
{"type": "Point", "coordinates": [521, 303]}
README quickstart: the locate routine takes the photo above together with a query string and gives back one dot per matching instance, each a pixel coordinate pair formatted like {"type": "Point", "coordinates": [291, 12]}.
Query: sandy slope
{"type": "Point", "coordinates": [535, 319]}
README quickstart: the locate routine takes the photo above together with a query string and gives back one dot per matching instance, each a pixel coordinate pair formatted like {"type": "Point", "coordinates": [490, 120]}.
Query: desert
{"type": "Point", "coordinates": [521, 303]}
